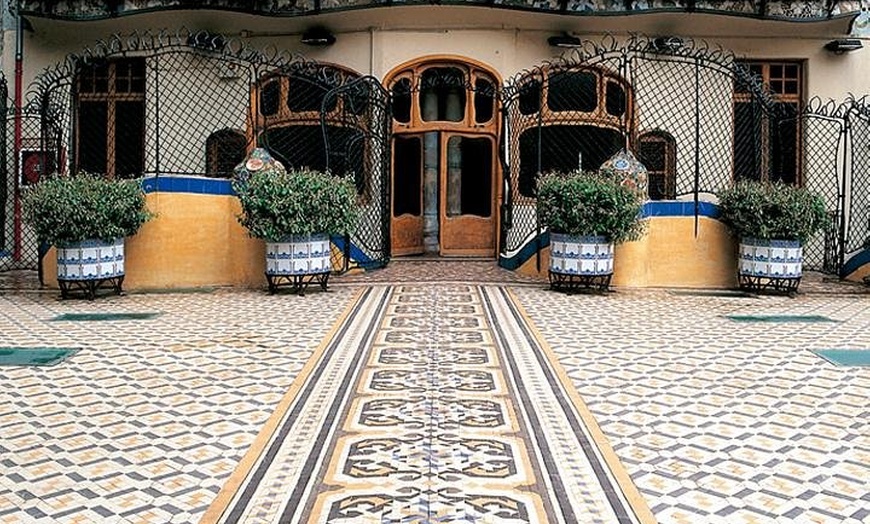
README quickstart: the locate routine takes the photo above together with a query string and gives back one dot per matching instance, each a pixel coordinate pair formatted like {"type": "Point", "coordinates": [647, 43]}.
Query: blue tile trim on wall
{"type": "Point", "coordinates": [187, 184]}
{"type": "Point", "coordinates": [525, 253]}
{"type": "Point", "coordinates": [679, 209]}
{"type": "Point", "coordinates": [853, 264]}
{"type": "Point", "coordinates": [650, 209]}
{"type": "Point", "coordinates": [356, 254]}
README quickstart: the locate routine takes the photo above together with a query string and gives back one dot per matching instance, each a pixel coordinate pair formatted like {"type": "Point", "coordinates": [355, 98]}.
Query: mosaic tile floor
{"type": "Point", "coordinates": [720, 421]}
{"type": "Point", "coordinates": [429, 399]}
{"type": "Point", "coordinates": [146, 422]}
{"type": "Point", "coordinates": [434, 404]}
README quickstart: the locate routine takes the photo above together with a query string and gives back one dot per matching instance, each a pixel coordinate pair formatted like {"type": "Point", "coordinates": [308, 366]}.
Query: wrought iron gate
{"type": "Point", "coordinates": [192, 104]}
{"type": "Point", "coordinates": [694, 114]}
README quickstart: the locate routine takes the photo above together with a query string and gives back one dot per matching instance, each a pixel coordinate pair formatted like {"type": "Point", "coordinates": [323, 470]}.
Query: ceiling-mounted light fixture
{"type": "Point", "coordinates": [564, 40]}
{"type": "Point", "coordinates": [843, 45]}
{"type": "Point", "coordinates": [666, 44]}
{"type": "Point", "coordinates": [318, 36]}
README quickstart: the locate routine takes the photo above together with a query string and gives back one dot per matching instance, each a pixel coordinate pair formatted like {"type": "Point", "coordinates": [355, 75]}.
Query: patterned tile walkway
{"type": "Point", "coordinates": [146, 422]}
{"type": "Point", "coordinates": [432, 404]}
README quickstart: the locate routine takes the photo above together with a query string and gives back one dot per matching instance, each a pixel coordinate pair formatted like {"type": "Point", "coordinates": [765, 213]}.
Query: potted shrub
{"type": "Point", "coordinates": [772, 222]}
{"type": "Point", "coordinates": [294, 211]}
{"type": "Point", "coordinates": [86, 217]}
{"type": "Point", "coordinates": [586, 214]}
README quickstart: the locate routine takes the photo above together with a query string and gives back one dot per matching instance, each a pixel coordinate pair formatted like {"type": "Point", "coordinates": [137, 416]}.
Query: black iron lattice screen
{"type": "Point", "coordinates": [695, 116]}
{"type": "Point", "coordinates": [193, 103]}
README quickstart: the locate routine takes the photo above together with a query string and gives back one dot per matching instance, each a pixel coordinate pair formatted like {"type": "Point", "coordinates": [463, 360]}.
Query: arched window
{"type": "Point", "coordinates": [569, 118]}
{"type": "Point", "coordinates": [224, 150]}
{"type": "Point", "coordinates": [658, 153]}
{"type": "Point", "coordinates": [300, 123]}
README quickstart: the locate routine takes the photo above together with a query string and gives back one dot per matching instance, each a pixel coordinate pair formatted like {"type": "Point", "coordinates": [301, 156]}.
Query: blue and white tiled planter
{"type": "Point", "coordinates": [298, 255]}
{"type": "Point", "coordinates": [779, 259]}
{"type": "Point", "coordinates": [586, 255]}
{"type": "Point", "coordinates": [90, 260]}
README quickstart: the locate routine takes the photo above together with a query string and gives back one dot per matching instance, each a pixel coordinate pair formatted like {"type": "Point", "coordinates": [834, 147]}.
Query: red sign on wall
{"type": "Point", "coordinates": [35, 164]}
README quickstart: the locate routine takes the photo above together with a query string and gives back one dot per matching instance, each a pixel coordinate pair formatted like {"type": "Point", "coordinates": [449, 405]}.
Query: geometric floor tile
{"type": "Point", "coordinates": [430, 404]}
{"type": "Point", "coordinates": [717, 421]}
{"type": "Point", "coordinates": [713, 420]}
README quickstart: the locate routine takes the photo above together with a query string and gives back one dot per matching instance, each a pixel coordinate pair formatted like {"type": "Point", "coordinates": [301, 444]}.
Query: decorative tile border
{"type": "Point", "coordinates": [431, 404]}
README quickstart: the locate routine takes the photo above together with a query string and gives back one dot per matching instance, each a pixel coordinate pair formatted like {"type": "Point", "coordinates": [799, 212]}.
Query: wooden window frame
{"type": "Point", "coordinates": [545, 116]}
{"type": "Point", "coordinates": [762, 68]}
{"type": "Point", "coordinates": [111, 97]}
{"type": "Point", "coordinates": [670, 160]}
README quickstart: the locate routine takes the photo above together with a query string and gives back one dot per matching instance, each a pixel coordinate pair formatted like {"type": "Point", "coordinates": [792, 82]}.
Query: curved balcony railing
{"type": "Point", "coordinates": [766, 9]}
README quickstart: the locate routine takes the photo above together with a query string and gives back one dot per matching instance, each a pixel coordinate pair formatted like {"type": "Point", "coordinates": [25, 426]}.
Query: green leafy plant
{"type": "Point", "coordinates": [772, 211]}
{"type": "Point", "coordinates": [583, 203]}
{"type": "Point", "coordinates": [278, 203]}
{"type": "Point", "coordinates": [66, 209]}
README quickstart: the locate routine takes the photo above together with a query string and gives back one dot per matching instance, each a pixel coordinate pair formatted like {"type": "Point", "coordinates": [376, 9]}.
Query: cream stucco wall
{"type": "Point", "coordinates": [374, 41]}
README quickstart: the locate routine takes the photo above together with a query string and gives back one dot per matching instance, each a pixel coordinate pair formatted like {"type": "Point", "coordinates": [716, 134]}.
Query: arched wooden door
{"type": "Point", "coordinates": [445, 158]}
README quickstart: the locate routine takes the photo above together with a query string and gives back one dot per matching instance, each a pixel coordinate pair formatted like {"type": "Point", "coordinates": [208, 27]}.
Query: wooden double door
{"type": "Point", "coordinates": [444, 192]}
{"type": "Point", "coordinates": [444, 156]}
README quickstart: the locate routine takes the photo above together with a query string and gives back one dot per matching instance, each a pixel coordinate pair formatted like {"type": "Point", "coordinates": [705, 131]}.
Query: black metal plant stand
{"type": "Point", "coordinates": [772, 285]}
{"type": "Point", "coordinates": [574, 283]}
{"type": "Point", "coordinates": [297, 283]}
{"type": "Point", "coordinates": [88, 288]}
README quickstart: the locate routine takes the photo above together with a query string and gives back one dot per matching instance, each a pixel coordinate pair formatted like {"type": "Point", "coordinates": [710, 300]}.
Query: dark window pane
{"type": "Point", "coordinates": [615, 99]}
{"type": "Point", "coordinates": [270, 98]}
{"type": "Point", "coordinates": [747, 140]}
{"type": "Point", "coordinates": [407, 167]}
{"type": "Point", "coordinates": [130, 75]}
{"type": "Point", "coordinates": [657, 186]}
{"type": "Point", "coordinates": [94, 79]}
{"type": "Point", "coordinates": [484, 101]}
{"type": "Point", "coordinates": [303, 146]}
{"type": "Point", "coordinates": [476, 176]}
{"type": "Point", "coordinates": [402, 101]}
{"type": "Point", "coordinates": [652, 154]}
{"type": "Point", "coordinates": [792, 71]}
{"type": "Point", "coordinates": [563, 148]}
{"type": "Point", "coordinates": [791, 87]}
{"type": "Point", "coordinates": [530, 97]}
{"type": "Point", "coordinates": [784, 145]}
{"type": "Point", "coordinates": [225, 149]}
{"type": "Point", "coordinates": [442, 95]}
{"type": "Point", "coordinates": [776, 70]}
{"type": "Point", "coordinates": [571, 91]}
{"type": "Point", "coordinates": [753, 71]}
{"type": "Point", "coordinates": [101, 79]}
{"type": "Point", "coordinates": [92, 130]}
{"type": "Point", "coordinates": [129, 139]}
{"type": "Point", "coordinates": [306, 95]}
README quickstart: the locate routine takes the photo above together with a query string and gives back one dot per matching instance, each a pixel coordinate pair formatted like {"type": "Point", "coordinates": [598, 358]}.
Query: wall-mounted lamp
{"type": "Point", "coordinates": [666, 44]}
{"type": "Point", "coordinates": [318, 36]}
{"type": "Point", "coordinates": [843, 45]}
{"type": "Point", "coordinates": [564, 40]}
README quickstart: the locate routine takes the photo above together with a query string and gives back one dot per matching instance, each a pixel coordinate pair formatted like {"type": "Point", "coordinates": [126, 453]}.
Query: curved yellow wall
{"type": "Point", "coordinates": [195, 241]}
{"type": "Point", "coordinates": [670, 255]}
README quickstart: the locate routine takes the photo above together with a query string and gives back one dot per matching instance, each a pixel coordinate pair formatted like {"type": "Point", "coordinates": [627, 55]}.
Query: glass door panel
{"type": "Point", "coordinates": [467, 192]}
{"type": "Point", "coordinates": [406, 233]}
